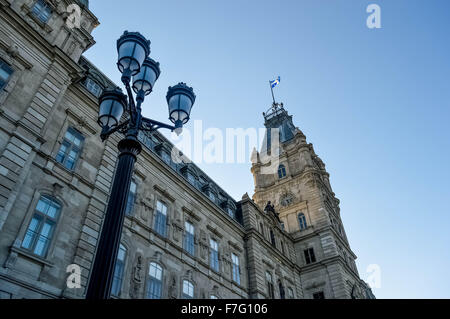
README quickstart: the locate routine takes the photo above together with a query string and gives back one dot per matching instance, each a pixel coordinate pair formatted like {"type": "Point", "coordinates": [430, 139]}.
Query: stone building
{"type": "Point", "coordinates": [184, 236]}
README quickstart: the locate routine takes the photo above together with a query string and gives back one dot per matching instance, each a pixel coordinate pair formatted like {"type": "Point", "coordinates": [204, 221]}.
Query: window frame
{"type": "Point", "coordinates": [131, 199]}
{"type": "Point", "coordinates": [160, 222]}
{"type": "Point", "coordinates": [189, 238]}
{"type": "Point", "coordinates": [214, 255]}
{"type": "Point", "coordinates": [310, 256]}
{"type": "Point", "coordinates": [154, 281]}
{"type": "Point", "coordinates": [301, 219]}
{"type": "Point", "coordinates": [43, 218]}
{"type": "Point", "coordinates": [90, 84]}
{"type": "Point", "coordinates": [190, 284]}
{"type": "Point", "coordinates": [235, 268]}
{"type": "Point", "coordinates": [63, 159]}
{"type": "Point", "coordinates": [45, 11]}
{"type": "Point", "coordinates": [122, 271]}
{"type": "Point", "coordinates": [270, 287]}
{"type": "Point", "coordinates": [281, 171]}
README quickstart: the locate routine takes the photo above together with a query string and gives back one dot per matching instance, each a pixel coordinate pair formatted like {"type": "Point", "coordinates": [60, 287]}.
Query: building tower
{"type": "Point", "coordinates": [288, 173]}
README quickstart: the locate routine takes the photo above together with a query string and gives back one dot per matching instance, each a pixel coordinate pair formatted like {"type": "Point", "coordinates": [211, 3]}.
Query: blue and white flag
{"type": "Point", "coordinates": [275, 82]}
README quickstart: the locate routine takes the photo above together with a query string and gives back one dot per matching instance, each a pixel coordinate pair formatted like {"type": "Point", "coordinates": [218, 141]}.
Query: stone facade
{"type": "Point", "coordinates": [49, 89]}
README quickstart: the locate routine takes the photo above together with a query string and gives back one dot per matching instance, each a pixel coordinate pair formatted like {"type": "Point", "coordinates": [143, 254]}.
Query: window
{"type": "Point", "coordinates": [42, 11]}
{"type": "Point", "coordinates": [154, 287]}
{"type": "Point", "coordinates": [261, 226]}
{"type": "Point", "coordinates": [281, 171]}
{"type": "Point", "coordinates": [281, 288]}
{"type": "Point", "coordinates": [214, 254]}
{"type": "Point", "coordinates": [213, 297]}
{"type": "Point", "coordinates": [236, 270]}
{"type": "Point", "coordinates": [272, 238]}
{"type": "Point", "coordinates": [161, 218]}
{"type": "Point", "coordinates": [309, 256]}
{"type": "Point", "coordinates": [189, 238]}
{"type": "Point", "coordinates": [302, 221]}
{"type": "Point", "coordinates": [70, 149]}
{"type": "Point", "coordinates": [270, 293]}
{"type": "Point", "coordinates": [118, 271]}
{"type": "Point", "coordinates": [93, 87]}
{"type": "Point", "coordinates": [282, 226]}
{"type": "Point", "coordinates": [131, 199]}
{"type": "Point", "coordinates": [282, 247]}
{"type": "Point", "coordinates": [318, 295]}
{"type": "Point", "coordinates": [290, 293]}
{"type": "Point", "coordinates": [212, 196]}
{"type": "Point", "coordinates": [230, 212]}
{"type": "Point", "coordinates": [165, 157]}
{"type": "Point", "coordinates": [5, 74]}
{"type": "Point", "coordinates": [188, 289]}
{"type": "Point", "coordinates": [42, 226]}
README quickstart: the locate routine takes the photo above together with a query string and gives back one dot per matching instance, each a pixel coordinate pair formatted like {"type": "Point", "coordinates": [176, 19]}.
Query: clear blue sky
{"type": "Point", "coordinates": [374, 102]}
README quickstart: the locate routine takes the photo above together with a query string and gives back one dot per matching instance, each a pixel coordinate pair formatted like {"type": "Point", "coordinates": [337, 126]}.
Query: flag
{"type": "Point", "coordinates": [275, 82]}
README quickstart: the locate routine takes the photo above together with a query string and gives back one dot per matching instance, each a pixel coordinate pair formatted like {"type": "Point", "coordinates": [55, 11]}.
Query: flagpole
{"type": "Point", "coordinates": [271, 89]}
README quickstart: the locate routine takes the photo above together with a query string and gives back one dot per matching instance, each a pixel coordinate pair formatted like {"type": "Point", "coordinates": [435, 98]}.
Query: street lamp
{"type": "Point", "coordinates": [134, 64]}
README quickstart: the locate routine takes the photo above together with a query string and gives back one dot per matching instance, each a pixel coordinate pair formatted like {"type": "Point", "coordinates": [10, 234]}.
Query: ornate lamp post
{"type": "Point", "coordinates": [133, 62]}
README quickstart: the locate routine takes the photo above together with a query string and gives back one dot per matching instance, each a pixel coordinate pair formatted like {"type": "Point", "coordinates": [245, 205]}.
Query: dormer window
{"type": "Point", "coordinates": [230, 212]}
{"type": "Point", "coordinates": [165, 157]}
{"type": "Point", "coordinates": [93, 87]}
{"type": "Point", "coordinates": [42, 11]}
{"type": "Point", "coordinates": [212, 196]}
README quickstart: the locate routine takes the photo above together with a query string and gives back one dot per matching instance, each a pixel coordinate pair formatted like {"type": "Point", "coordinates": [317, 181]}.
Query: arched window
{"type": "Point", "coordinates": [302, 221]}
{"type": "Point", "coordinates": [154, 287]}
{"type": "Point", "coordinates": [281, 171]}
{"type": "Point", "coordinates": [188, 289]}
{"type": "Point", "coordinates": [118, 271]}
{"type": "Point", "coordinates": [42, 226]}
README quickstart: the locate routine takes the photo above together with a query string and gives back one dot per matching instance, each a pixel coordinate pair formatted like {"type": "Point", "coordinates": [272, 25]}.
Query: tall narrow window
{"type": "Point", "coordinates": [236, 269]}
{"type": "Point", "coordinates": [188, 290]}
{"type": "Point", "coordinates": [70, 149]}
{"type": "Point", "coordinates": [154, 287]}
{"type": "Point", "coordinates": [42, 11]}
{"type": "Point", "coordinates": [161, 218]}
{"type": "Point", "coordinates": [131, 199]}
{"type": "Point", "coordinates": [214, 254]}
{"type": "Point", "coordinates": [302, 221]}
{"type": "Point", "coordinates": [281, 288]}
{"type": "Point", "coordinates": [270, 292]}
{"type": "Point", "coordinates": [189, 238]}
{"type": "Point", "coordinates": [261, 226]}
{"type": "Point", "coordinates": [309, 256]}
{"type": "Point", "coordinates": [272, 238]}
{"type": "Point", "coordinates": [5, 74]}
{"type": "Point", "coordinates": [42, 226]}
{"type": "Point", "coordinates": [118, 271]}
{"type": "Point", "coordinates": [281, 171]}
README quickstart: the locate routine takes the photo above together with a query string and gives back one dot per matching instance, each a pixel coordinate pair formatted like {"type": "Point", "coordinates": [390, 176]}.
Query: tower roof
{"type": "Point", "coordinates": [278, 118]}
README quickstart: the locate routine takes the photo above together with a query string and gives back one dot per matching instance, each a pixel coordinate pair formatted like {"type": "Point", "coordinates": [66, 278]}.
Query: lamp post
{"type": "Point", "coordinates": [134, 64]}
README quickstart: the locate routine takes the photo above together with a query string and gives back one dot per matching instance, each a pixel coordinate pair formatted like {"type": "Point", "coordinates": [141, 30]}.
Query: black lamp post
{"type": "Point", "coordinates": [133, 62]}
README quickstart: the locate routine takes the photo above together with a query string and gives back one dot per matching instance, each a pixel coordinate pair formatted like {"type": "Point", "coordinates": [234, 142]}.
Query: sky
{"type": "Point", "coordinates": [375, 103]}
